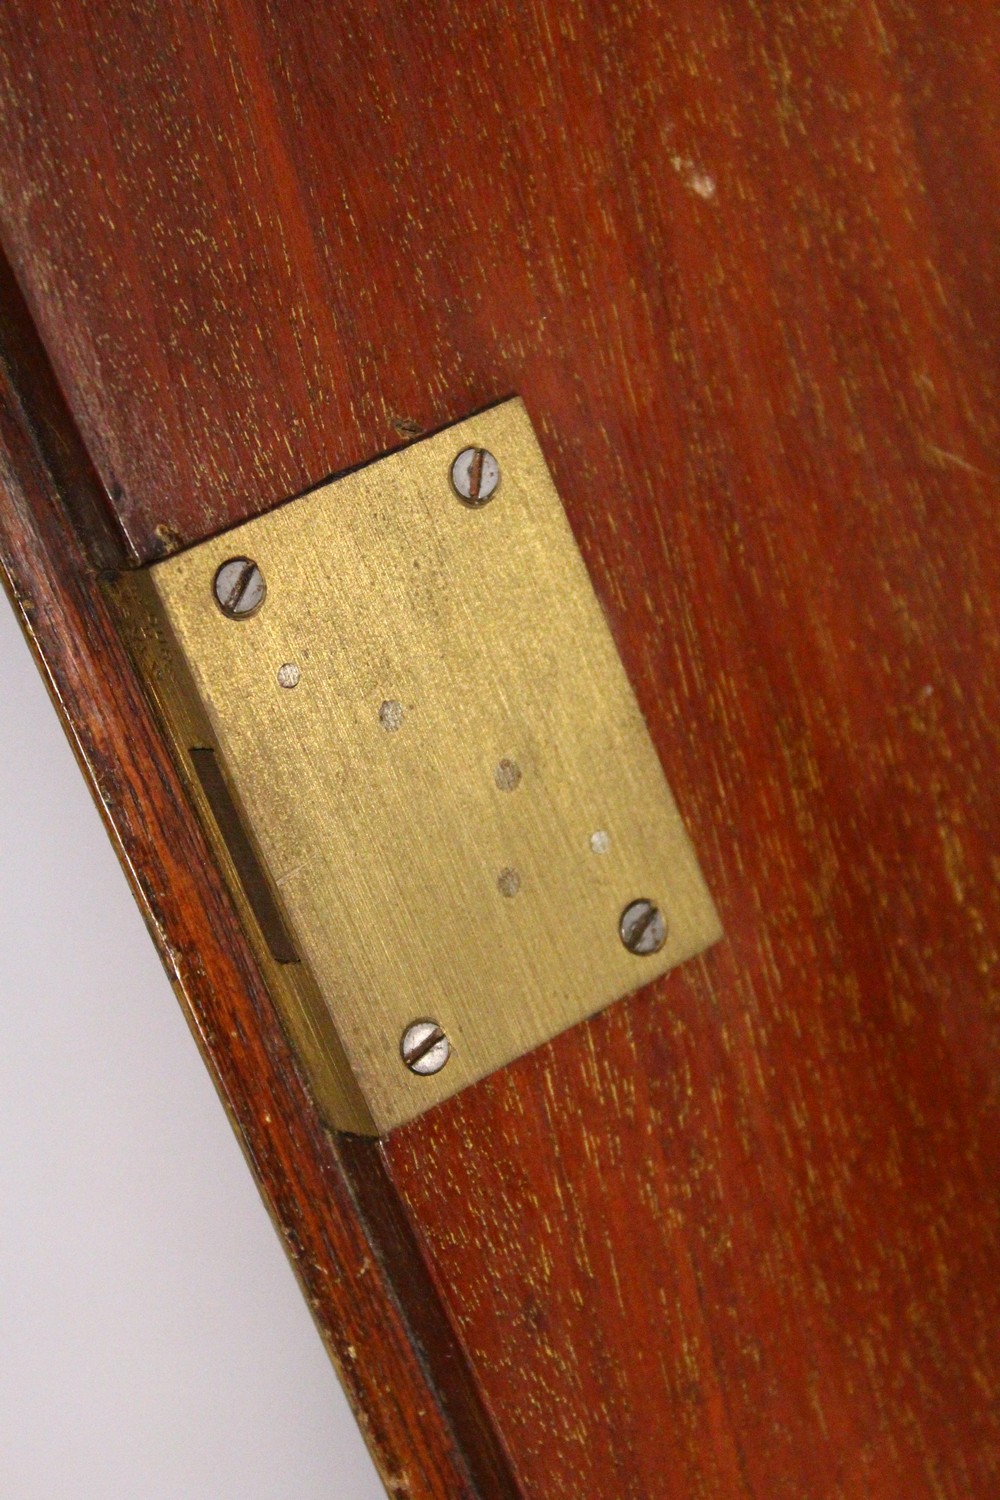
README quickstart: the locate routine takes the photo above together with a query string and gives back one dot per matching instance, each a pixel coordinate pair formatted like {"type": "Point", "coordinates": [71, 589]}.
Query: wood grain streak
{"type": "Point", "coordinates": [739, 1236]}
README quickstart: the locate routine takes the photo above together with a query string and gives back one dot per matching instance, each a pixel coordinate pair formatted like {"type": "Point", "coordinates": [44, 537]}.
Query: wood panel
{"type": "Point", "coordinates": [341, 1222]}
{"type": "Point", "coordinates": [739, 1235]}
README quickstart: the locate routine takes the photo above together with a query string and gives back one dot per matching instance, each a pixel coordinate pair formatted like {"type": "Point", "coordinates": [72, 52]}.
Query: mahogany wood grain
{"type": "Point", "coordinates": [739, 1236]}
{"type": "Point", "coordinates": [331, 1200]}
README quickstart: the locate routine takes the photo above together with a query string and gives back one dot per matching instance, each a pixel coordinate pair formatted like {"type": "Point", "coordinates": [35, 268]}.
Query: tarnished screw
{"type": "Point", "coordinates": [475, 475]}
{"type": "Point", "coordinates": [239, 588]}
{"type": "Point", "coordinates": [424, 1048]}
{"type": "Point", "coordinates": [643, 928]}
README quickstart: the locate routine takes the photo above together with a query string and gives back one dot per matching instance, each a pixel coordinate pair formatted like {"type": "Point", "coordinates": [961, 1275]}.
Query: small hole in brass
{"type": "Point", "coordinates": [507, 775]}
{"type": "Point", "coordinates": [391, 715]}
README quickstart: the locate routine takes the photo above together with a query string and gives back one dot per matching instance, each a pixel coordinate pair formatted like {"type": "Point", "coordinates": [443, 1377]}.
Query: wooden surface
{"type": "Point", "coordinates": [738, 1236]}
{"type": "Point", "coordinates": [341, 1222]}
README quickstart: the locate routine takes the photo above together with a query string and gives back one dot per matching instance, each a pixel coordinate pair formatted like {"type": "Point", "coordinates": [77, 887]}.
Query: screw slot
{"type": "Point", "coordinates": [424, 1047]}
{"type": "Point", "coordinates": [475, 475]}
{"type": "Point", "coordinates": [239, 588]}
{"type": "Point", "coordinates": [643, 928]}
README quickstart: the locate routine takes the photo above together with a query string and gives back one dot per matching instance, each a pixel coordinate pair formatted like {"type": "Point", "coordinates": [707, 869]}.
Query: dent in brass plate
{"type": "Point", "coordinates": [507, 775]}
{"type": "Point", "coordinates": [391, 716]}
{"type": "Point", "coordinates": [437, 765]}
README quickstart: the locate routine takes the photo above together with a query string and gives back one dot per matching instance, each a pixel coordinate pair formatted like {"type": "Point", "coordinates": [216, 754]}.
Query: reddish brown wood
{"type": "Point", "coordinates": [331, 1200]}
{"type": "Point", "coordinates": [739, 1236]}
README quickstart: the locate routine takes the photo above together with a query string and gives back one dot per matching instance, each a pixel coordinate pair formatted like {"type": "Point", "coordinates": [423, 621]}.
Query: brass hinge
{"type": "Point", "coordinates": [399, 705]}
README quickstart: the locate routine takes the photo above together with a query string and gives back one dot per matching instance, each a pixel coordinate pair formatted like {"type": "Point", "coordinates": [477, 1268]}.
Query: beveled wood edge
{"type": "Point", "coordinates": [331, 1198]}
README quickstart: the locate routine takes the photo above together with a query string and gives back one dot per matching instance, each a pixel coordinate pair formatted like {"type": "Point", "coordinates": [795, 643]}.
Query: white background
{"type": "Point", "coordinates": [154, 1344]}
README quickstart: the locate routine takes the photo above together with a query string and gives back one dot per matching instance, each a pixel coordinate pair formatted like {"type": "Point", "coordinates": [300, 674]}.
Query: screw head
{"type": "Point", "coordinates": [475, 475]}
{"type": "Point", "coordinates": [643, 927]}
{"type": "Point", "coordinates": [239, 588]}
{"type": "Point", "coordinates": [424, 1048]}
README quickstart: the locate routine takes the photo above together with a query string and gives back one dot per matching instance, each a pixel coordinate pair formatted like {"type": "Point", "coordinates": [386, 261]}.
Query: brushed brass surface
{"type": "Point", "coordinates": [439, 761]}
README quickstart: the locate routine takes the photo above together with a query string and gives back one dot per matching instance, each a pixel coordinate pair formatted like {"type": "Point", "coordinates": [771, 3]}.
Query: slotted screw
{"type": "Point", "coordinates": [643, 928]}
{"type": "Point", "coordinates": [425, 1049]}
{"type": "Point", "coordinates": [239, 588]}
{"type": "Point", "coordinates": [475, 475]}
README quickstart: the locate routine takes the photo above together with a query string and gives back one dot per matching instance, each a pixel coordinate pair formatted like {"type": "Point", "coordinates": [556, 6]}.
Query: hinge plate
{"type": "Point", "coordinates": [432, 751]}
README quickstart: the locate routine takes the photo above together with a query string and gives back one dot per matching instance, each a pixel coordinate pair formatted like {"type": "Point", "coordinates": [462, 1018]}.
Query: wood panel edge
{"type": "Point", "coordinates": [331, 1199]}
